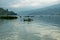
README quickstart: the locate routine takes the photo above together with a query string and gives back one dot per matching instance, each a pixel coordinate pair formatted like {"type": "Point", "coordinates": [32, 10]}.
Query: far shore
{"type": "Point", "coordinates": [8, 17]}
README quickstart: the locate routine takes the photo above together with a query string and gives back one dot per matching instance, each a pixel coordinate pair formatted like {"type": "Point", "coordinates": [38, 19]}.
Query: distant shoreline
{"type": "Point", "coordinates": [8, 17]}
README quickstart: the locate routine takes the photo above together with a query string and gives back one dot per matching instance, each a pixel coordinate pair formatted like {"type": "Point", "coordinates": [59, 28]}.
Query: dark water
{"type": "Point", "coordinates": [41, 28]}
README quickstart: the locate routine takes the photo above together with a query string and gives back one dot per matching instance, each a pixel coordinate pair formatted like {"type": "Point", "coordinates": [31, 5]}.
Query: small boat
{"type": "Point", "coordinates": [27, 19]}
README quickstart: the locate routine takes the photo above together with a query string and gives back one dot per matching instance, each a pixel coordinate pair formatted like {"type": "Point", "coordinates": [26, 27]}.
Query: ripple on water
{"type": "Point", "coordinates": [16, 30]}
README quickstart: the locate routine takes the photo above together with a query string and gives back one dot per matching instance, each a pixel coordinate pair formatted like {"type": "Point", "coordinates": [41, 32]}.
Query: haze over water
{"type": "Point", "coordinates": [41, 28]}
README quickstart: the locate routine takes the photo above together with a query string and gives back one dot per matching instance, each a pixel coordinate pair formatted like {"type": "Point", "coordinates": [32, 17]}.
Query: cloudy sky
{"type": "Point", "coordinates": [26, 3]}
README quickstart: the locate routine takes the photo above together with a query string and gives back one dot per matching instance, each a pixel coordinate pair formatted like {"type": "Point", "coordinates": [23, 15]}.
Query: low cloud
{"type": "Point", "coordinates": [24, 3]}
{"type": "Point", "coordinates": [33, 3]}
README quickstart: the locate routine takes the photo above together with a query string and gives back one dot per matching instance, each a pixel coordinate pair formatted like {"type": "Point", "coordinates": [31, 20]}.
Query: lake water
{"type": "Point", "coordinates": [41, 28]}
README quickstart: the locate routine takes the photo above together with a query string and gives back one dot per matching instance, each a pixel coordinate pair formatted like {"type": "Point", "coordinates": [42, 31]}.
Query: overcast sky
{"type": "Point", "coordinates": [26, 3]}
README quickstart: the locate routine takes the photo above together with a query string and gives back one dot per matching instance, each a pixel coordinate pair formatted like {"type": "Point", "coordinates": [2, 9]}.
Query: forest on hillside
{"type": "Point", "coordinates": [6, 12]}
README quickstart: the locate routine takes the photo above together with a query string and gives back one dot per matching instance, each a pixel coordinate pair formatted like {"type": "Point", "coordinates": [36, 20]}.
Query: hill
{"type": "Point", "coordinates": [51, 10]}
{"type": "Point", "coordinates": [6, 12]}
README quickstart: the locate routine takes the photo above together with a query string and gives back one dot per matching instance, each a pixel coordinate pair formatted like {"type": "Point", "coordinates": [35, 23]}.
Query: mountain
{"type": "Point", "coordinates": [6, 12]}
{"type": "Point", "coordinates": [51, 10]}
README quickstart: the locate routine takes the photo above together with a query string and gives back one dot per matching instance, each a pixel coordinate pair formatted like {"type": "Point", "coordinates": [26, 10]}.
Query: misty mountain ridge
{"type": "Point", "coordinates": [51, 10]}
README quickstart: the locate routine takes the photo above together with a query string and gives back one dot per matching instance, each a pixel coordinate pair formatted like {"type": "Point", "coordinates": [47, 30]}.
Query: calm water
{"type": "Point", "coordinates": [42, 28]}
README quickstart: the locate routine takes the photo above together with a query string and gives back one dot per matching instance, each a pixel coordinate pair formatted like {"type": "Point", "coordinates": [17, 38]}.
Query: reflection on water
{"type": "Point", "coordinates": [39, 29]}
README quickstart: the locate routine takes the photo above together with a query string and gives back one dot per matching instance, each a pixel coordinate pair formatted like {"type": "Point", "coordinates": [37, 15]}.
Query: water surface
{"type": "Point", "coordinates": [42, 28]}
